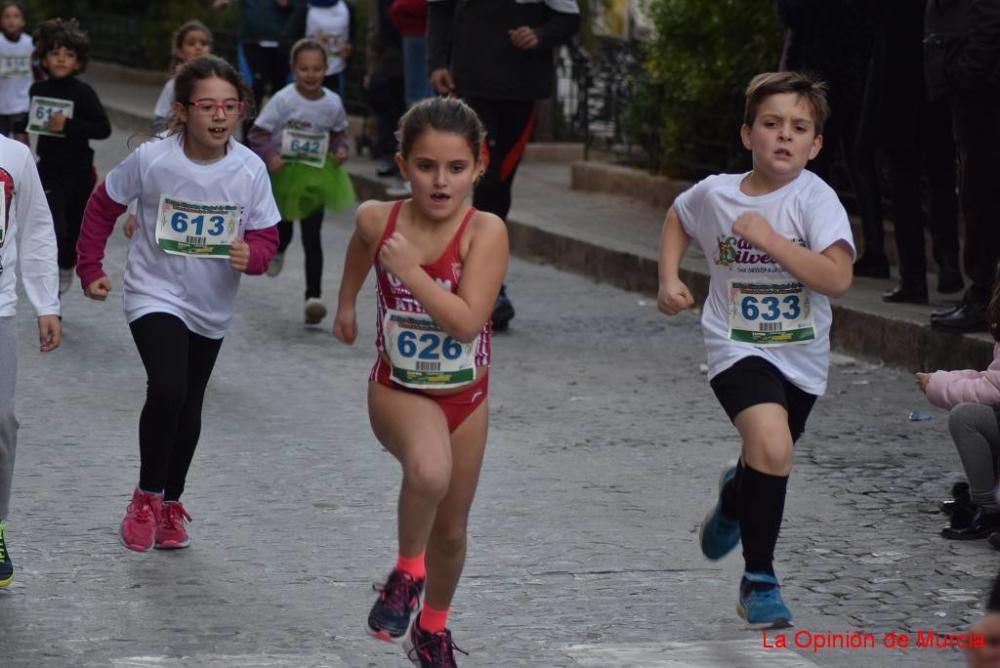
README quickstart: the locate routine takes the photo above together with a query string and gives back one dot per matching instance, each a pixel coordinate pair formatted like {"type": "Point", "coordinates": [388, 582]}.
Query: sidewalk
{"type": "Point", "coordinates": [613, 239]}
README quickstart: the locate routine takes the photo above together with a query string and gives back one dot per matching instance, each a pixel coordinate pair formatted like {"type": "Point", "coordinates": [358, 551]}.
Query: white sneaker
{"type": "Point", "coordinates": [275, 265]}
{"type": "Point", "coordinates": [65, 280]}
{"type": "Point", "coordinates": [315, 311]}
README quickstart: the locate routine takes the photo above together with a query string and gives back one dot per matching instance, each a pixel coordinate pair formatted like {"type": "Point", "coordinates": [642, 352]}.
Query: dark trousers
{"type": "Point", "coordinates": [67, 193]}
{"type": "Point", "coordinates": [977, 128]}
{"type": "Point", "coordinates": [850, 129]}
{"type": "Point", "coordinates": [386, 97]}
{"type": "Point", "coordinates": [269, 67]}
{"type": "Point", "coordinates": [919, 143]}
{"type": "Point", "coordinates": [509, 124]}
{"type": "Point", "coordinates": [312, 244]}
{"type": "Point", "coordinates": [178, 365]}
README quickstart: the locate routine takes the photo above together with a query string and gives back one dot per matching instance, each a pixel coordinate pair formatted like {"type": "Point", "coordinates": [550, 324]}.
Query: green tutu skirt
{"type": "Point", "coordinates": [301, 190]}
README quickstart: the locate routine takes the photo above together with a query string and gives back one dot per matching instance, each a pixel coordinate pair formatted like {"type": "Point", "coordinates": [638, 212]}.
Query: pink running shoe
{"type": "Point", "coordinates": [171, 530]}
{"type": "Point", "coordinates": [139, 526]}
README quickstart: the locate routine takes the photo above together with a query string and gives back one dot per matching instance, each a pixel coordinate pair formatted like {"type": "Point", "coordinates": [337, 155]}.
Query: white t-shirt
{"type": "Point", "coordinates": [15, 74]}
{"type": "Point", "coordinates": [331, 27]}
{"type": "Point", "coordinates": [289, 109]}
{"type": "Point", "coordinates": [163, 103]}
{"type": "Point", "coordinates": [806, 211]}
{"type": "Point", "coordinates": [199, 291]}
{"type": "Point", "coordinates": [25, 212]}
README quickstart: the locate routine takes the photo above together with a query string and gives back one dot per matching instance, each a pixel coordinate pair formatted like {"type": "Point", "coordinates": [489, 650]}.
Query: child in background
{"type": "Point", "coordinates": [16, 49]}
{"type": "Point", "coordinates": [191, 40]}
{"type": "Point", "coordinates": [438, 267]}
{"type": "Point", "coordinates": [65, 114]}
{"type": "Point", "coordinates": [973, 397]}
{"type": "Point", "coordinates": [329, 23]}
{"type": "Point", "coordinates": [205, 216]}
{"type": "Point", "coordinates": [301, 134]}
{"type": "Point", "coordinates": [779, 245]}
{"type": "Point", "coordinates": [23, 214]}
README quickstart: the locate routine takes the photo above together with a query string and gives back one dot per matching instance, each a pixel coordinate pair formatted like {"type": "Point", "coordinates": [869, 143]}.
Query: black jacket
{"type": "Point", "coordinates": [471, 38]}
{"type": "Point", "coordinates": [962, 47]}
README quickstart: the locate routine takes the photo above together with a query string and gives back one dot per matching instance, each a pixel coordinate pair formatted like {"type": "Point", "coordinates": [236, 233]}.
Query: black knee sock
{"type": "Point", "coordinates": [762, 504]}
{"type": "Point", "coordinates": [731, 494]}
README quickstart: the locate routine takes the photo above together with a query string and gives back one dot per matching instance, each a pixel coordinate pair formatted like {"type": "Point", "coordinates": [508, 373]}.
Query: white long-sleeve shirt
{"type": "Point", "coordinates": [25, 214]}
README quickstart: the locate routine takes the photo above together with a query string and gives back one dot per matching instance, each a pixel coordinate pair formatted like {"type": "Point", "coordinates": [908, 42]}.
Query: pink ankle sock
{"type": "Point", "coordinates": [433, 621]}
{"type": "Point", "coordinates": [412, 565]}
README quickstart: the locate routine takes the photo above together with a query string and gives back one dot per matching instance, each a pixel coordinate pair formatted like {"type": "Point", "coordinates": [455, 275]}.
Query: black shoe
{"type": "Point", "coordinates": [503, 311]}
{"type": "Point", "coordinates": [6, 567]}
{"type": "Point", "coordinates": [945, 312]}
{"type": "Point", "coordinates": [949, 277]}
{"type": "Point", "coordinates": [909, 294]}
{"type": "Point", "coordinates": [431, 650]}
{"type": "Point", "coordinates": [994, 539]}
{"type": "Point", "coordinates": [983, 523]}
{"type": "Point", "coordinates": [872, 266]}
{"type": "Point", "coordinates": [960, 498]}
{"type": "Point", "coordinates": [965, 318]}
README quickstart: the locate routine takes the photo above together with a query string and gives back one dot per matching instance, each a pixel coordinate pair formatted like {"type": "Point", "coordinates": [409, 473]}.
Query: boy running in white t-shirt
{"type": "Point", "coordinates": [779, 244]}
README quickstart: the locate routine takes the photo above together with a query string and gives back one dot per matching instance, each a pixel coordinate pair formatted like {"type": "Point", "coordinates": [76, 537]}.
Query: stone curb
{"type": "Point", "coordinates": [909, 344]}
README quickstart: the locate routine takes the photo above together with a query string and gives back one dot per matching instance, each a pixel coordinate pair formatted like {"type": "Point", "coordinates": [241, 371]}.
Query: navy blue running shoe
{"type": "Point", "coordinates": [719, 534]}
{"type": "Point", "coordinates": [397, 599]}
{"type": "Point", "coordinates": [760, 602]}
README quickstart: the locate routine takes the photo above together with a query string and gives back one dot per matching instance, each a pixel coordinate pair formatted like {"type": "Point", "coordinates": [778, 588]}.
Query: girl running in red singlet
{"type": "Point", "coordinates": [439, 265]}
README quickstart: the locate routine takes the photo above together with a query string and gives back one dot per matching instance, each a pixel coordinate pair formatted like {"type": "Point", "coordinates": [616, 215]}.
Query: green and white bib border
{"type": "Point", "coordinates": [15, 66]}
{"type": "Point", "coordinates": [44, 108]}
{"type": "Point", "coordinates": [196, 229]}
{"type": "Point", "coordinates": [308, 148]}
{"type": "Point", "coordinates": [770, 312]}
{"type": "Point", "coordinates": [423, 356]}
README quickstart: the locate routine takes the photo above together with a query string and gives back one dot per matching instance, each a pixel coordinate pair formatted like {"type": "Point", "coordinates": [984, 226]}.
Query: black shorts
{"type": "Point", "coordinates": [753, 380]}
{"type": "Point", "coordinates": [9, 121]}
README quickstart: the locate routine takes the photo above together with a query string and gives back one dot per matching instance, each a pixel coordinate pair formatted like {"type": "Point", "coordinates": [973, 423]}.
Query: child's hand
{"type": "Point", "coordinates": [239, 255]}
{"type": "Point", "coordinates": [129, 228]}
{"type": "Point", "coordinates": [987, 656]}
{"type": "Point", "coordinates": [275, 163]}
{"type": "Point", "coordinates": [674, 297]}
{"type": "Point", "coordinates": [57, 122]}
{"type": "Point", "coordinates": [99, 289]}
{"type": "Point", "coordinates": [340, 157]}
{"type": "Point", "coordinates": [345, 325]}
{"type": "Point", "coordinates": [523, 38]}
{"type": "Point", "coordinates": [754, 228]}
{"type": "Point", "coordinates": [49, 332]}
{"type": "Point", "coordinates": [399, 256]}
{"type": "Point", "coordinates": [922, 379]}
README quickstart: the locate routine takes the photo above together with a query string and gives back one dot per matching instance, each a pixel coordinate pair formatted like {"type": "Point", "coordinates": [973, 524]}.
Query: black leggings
{"type": "Point", "coordinates": [509, 124]}
{"type": "Point", "coordinates": [67, 194]}
{"type": "Point", "coordinates": [311, 244]}
{"type": "Point", "coordinates": [178, 365]}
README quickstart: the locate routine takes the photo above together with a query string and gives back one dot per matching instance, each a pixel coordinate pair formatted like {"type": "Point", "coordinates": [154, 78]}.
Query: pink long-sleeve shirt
{"type": "Point", "coordinates": [947, 389]}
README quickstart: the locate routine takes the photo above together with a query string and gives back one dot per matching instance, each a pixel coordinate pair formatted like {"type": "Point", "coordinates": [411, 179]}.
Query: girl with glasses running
{"type": "Point", "coordinates": [205, 216]}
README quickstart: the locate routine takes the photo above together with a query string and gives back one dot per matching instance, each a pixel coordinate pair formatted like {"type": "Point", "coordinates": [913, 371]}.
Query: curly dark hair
{"type": "Point", "coordinates": [55, 33]}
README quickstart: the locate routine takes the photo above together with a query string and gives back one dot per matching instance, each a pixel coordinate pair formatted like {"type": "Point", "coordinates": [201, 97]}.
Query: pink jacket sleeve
{"type": "Point", "coordinates": [263, 244]}
{"type": "Point", "coordinates": [947, 389]}
{"type": "Point", "coordinates": [98, 222]}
